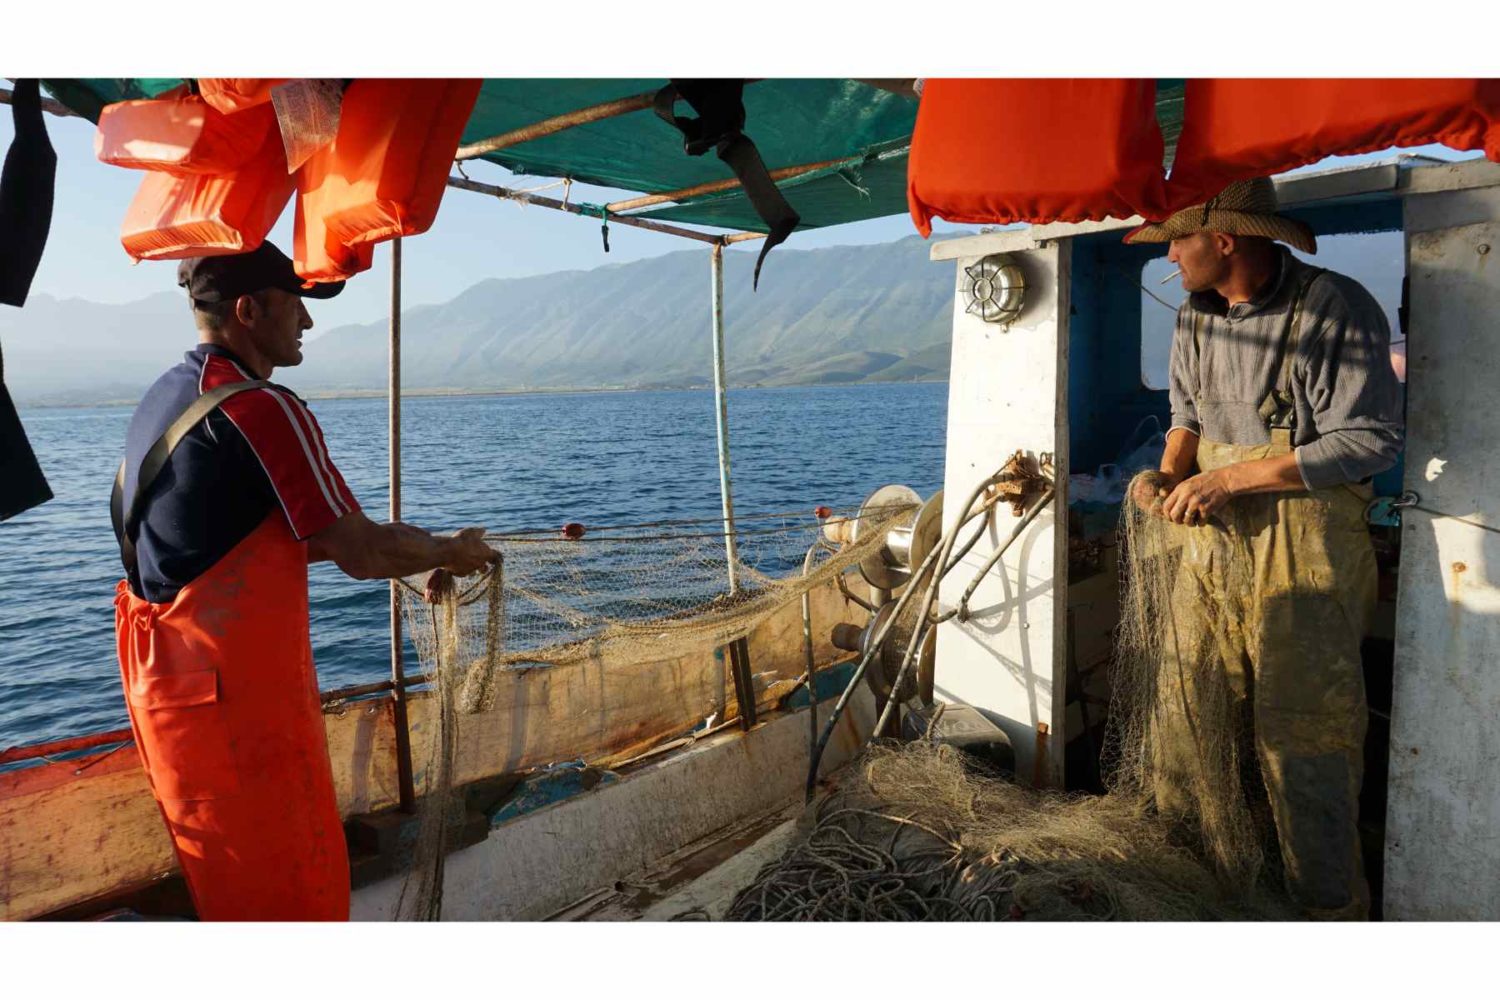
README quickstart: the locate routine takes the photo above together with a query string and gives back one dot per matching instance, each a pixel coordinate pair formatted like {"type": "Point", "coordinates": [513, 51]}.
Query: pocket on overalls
{"type": "Point", "coordinates": [1309, 682]}
{"type": "Point", "coordinates": [187, 740]}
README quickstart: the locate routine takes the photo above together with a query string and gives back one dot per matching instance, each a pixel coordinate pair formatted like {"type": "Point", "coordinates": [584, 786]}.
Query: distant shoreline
{"type": "Point", "coordinates": [540, 391]}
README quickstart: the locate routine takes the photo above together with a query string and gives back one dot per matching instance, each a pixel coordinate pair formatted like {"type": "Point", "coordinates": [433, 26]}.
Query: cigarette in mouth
{"type": "Point", "coordinates": [1169, 277]}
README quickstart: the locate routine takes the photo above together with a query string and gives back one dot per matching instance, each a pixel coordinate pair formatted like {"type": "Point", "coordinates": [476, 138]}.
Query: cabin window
{"type": "Point", "coordinates": [1159, 304]}
{"type": "Point", "coordinates": [1375, 260]}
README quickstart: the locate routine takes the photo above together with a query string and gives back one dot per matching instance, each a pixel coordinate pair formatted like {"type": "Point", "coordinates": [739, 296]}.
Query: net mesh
{"type": "Point", "coordinates": [915, 833]}
{"type": "Point", "coordinates": [626, 593]}
{"type": "Point", "coordinates": [1178, 727]}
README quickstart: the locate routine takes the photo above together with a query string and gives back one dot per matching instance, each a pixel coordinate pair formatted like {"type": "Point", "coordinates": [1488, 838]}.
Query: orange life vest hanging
{"type": "Point", "coordinates": [316, 255]}
{"type": "Point", "coordinates": [1003, 151]}
{"type": "Point", "coordinates": [199, 215]}
{"type": "Point", "coordinates": [224, 704]}
{"type": "Point", "coordinates": [391, 157]}
{"type": "Point", "coordinates": [1236, 129]}
{"type": "Point", "coordinates": [180, 135]}
{"type": "Point", "coordinates": [231, 94]}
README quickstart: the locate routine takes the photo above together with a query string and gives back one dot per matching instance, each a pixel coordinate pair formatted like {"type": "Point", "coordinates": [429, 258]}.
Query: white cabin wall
{"type": "Point", "coordinates": [1007, 391]}
{"type": "Point", "coordinates": [1443, 818]}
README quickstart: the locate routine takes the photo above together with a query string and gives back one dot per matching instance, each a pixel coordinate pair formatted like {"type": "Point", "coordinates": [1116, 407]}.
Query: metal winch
{"type": "Point", "coordinates": [886, 663]}
{"type": "Point", "coordinates": [907, 544]}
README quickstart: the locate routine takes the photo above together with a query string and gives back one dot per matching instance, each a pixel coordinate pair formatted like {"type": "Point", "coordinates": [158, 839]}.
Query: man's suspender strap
{"type": "Point", "coordinates": [1279, 409]}
{"type": "Point", "coordinates": [156, 458]}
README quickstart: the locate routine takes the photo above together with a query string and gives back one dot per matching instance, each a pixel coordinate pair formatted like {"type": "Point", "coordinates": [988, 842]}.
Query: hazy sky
{"type": "Point", "coordinates": [475, 237]}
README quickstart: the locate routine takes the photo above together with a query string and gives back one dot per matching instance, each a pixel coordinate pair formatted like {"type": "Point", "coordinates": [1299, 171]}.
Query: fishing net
{"type": "Point", "coordinates": [627, 593]}
{"type": "Point", "coordinates": [915, 833]}
{"type": "Point", "coordinates": [1179, 729]}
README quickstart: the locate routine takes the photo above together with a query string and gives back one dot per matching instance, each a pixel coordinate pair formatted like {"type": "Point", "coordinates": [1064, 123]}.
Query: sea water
{"type": "Point", "coordinates": [503, 462]}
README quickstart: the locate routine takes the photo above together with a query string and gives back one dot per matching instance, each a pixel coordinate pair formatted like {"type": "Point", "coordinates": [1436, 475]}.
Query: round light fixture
{"type": "Point", "coordinates": [996, 289]}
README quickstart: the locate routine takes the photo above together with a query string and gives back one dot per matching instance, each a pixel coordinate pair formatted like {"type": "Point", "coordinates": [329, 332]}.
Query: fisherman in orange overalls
{"type": "Point", "coordinates": [226, 494]}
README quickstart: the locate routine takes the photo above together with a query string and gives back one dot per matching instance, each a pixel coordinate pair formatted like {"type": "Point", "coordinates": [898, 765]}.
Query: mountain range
{"type": "Point", "coordinates": [873, 313]}
{"type": "Point", "coordinates": [879, 312]}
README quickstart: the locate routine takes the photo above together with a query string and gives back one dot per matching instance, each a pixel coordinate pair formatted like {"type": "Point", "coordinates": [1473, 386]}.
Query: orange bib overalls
{"type": "Point", "coordinates": [224, 705]}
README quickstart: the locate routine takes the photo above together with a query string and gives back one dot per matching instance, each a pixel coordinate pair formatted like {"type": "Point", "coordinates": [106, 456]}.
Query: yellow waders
{"type": "Point", "coordinates": [1284, 623]}
{"type": "Point", "coordinates": [1291, 649]}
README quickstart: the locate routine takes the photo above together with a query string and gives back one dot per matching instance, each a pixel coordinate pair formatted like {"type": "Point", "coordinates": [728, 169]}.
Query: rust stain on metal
{"type": "Point", "coordinates": [1039, 765]}
{"type": "Point", "coordinates": [1022, 479]}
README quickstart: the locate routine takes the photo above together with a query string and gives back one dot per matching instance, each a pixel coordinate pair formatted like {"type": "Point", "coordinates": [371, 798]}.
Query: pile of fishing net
{"type": "Point", "coordinates": [915, 833]}
{"type": "Point", "coordinates": [614, 594]}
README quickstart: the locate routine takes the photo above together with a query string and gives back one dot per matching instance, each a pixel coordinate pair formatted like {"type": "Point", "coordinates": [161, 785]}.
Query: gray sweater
{"type": "Point", "coordinates": [1347, 397]}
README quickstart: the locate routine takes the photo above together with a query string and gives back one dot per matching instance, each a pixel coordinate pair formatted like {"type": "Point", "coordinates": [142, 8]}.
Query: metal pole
{"type": "Point", "coordinates": [50, 106]}
{"type": "Point", "coordinates": [807, 649]}
{"type": "Point", "coordinates": [557, 123]}
{"type": "Point", "coordinates": [729, 184]}
{"type": "Point", "coordinates": [407, 788]}
{"type": "Point", "coordinates": [716, 260]}
{"type": "Point", "coordinates": [591, 211]}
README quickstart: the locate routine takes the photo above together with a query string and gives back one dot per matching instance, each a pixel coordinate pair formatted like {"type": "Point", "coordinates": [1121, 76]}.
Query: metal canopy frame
{"type": "Point", "coordinates": [716, 242]}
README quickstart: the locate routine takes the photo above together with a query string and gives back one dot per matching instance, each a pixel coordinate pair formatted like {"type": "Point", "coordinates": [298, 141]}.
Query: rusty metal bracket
{"type": "Point", "coordinates": [1022, 479]}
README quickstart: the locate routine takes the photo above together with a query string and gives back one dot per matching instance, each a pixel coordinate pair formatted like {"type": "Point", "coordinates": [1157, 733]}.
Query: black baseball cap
{"type": "Point", "coordinates": [226, 277]}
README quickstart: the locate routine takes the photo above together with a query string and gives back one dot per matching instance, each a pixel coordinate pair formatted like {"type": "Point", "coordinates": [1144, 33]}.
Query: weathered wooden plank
{"type": "Point", "coordinates": [600, 709]}
{"type": "Point", "coordinates": [362, 747]}
{"type": "Point", "coordinates": [66, 841]}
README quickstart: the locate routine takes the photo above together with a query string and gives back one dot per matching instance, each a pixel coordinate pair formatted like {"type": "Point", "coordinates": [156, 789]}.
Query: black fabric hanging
{"type": "Point", "coordinates": [719, 126]}
{"type": "Point", "coordinates": [25, 217]}
{"type": "Point", "coordinates": [25, 195]}
{"type": "Point", "coordinates": [22, 485]}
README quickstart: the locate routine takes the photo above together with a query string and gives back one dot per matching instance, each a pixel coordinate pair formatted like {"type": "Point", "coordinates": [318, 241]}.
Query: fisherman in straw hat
{"type": "Point", "coordinates": [1284, 405]}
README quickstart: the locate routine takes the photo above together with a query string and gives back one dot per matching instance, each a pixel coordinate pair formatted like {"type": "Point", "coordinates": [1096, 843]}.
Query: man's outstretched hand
{"type": "Point", "coordinates": [469, 555]}
{"type": "Point", "coordinates": [366, 550]}
{"type": "Point", "coordinates": [1149, 490]}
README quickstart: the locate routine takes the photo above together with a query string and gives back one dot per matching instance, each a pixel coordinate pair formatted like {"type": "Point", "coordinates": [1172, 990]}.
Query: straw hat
{"type": "Point", "coordinates": [1244, 208]}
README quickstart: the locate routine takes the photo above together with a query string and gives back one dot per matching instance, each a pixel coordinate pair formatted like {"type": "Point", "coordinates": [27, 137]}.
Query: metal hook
{"type": "Point", "coordinates": [1386, 511]}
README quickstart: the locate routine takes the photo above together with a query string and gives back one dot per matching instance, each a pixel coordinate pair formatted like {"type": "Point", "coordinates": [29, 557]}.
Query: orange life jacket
{"type": "Point", "coordinates": [232, 94]}
{"type": "Point", "coordinates": [199, 215]}
{"type": "Point", "coordinates": [382, 176]}
{"type": "Point", "coordinates": [1235, 129]}
{"type": "Point", "coordinates": [180, 135]}
{"type": "Point", "coordinates": [1036, 151]}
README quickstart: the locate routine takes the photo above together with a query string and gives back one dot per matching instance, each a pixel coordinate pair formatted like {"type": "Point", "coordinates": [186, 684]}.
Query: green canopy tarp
{"type": "Point", "coordinates": [793, 123]}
